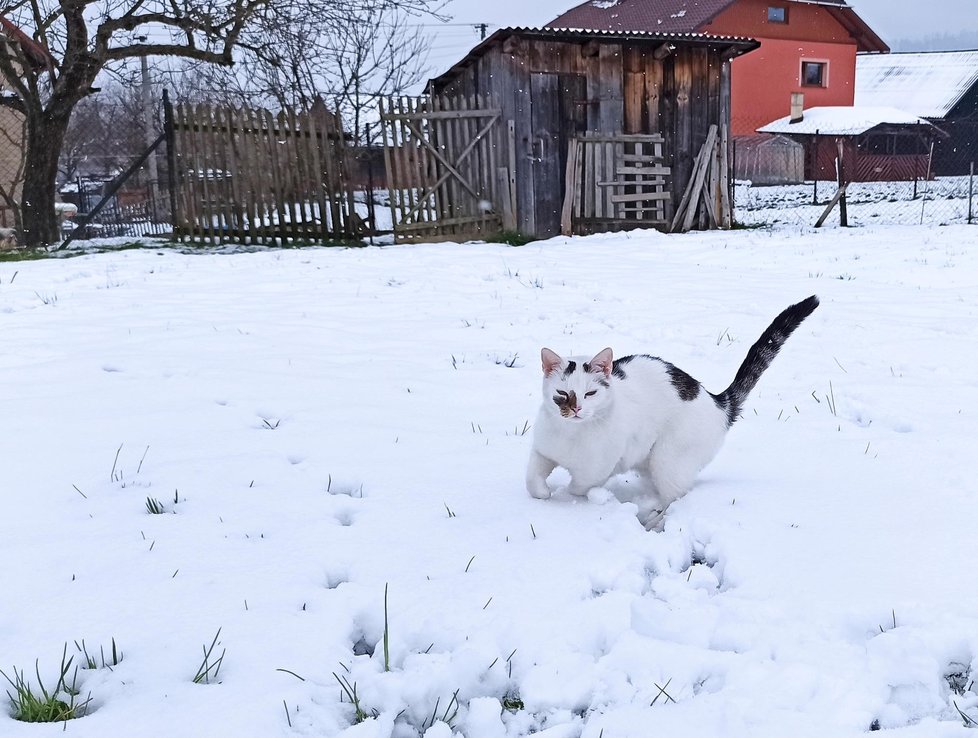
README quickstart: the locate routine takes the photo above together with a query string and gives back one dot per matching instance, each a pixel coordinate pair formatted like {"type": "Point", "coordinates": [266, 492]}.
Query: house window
{"type": "Point", "coordinates": [814, 74]}
{"type": "Point", "coordinates": [777, 15]}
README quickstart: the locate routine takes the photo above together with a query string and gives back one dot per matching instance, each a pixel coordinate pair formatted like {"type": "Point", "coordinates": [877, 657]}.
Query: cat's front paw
{"type": "Point", "coordinates": [538, 488]}
{"type": "Point", "coordinates": [578, 490]}
{"type": "Point", "coordinates": [655, 521]}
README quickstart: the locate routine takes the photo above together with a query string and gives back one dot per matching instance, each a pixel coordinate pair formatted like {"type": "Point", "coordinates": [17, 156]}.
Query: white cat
{"type": "Point", "coordinates": [606, 416]}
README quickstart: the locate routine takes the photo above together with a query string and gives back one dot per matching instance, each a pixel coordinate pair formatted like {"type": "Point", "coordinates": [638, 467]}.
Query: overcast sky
{"type": "Point", "coordinates": [894, 20]}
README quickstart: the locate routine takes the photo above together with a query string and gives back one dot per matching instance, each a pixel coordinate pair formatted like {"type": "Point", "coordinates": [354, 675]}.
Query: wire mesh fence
{"type": "Point", "coordinates": [95, 173]}
{"type": "Point", "coordinates": [890, 177]}
{"type": "Point", "coordinates": [138, 207]}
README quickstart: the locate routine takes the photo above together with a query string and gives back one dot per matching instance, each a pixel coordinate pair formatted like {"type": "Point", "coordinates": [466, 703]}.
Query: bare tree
{"type": "Point", "coordinates": [376, 50]}
{"type": "Point", "coordinates": [86, 37]}
{"type": "Point", "coordinates": [104, 133]}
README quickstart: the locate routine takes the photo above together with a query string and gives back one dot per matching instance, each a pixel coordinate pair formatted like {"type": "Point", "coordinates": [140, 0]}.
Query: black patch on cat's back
{"type": "Point", "coordinates": [571, 368]}
{"type": "Point", "coordinates": [687, 387]}
{"type": "Point", "coordinates": [618, 366]}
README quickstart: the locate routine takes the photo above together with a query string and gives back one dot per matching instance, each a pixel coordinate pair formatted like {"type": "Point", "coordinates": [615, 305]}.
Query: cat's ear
{"type": "Point", "coordinates": [551, 361]}
{"type": "Point", "coordinates": [602, 362]}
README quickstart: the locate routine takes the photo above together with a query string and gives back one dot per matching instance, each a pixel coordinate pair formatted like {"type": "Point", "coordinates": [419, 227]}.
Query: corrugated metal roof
{"type": "Point", "coordinates": [926, 83]}
{"type": "Point", "coordinates": [843, 120]}
{"type": "Point", "coordinates": [739, 43]}
{"type": "Point", "coordinates": [584, 32]}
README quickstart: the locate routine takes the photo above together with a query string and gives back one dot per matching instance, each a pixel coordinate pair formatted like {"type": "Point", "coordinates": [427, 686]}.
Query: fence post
{"type": "Point", "coordinates": [923, 202]}
{"type": "Point", "coordinates": [843, 205]}
{"type": "Point", "coordinates": [971, 194]}
{"type": "Point", "coordinates": [370, 190]}
{"type": "Point", "coordinates": [815, 168]}
{"type": "Point", "coordinates": [171, 158]}
{"type": "Point", "coordinates": [732, 183]}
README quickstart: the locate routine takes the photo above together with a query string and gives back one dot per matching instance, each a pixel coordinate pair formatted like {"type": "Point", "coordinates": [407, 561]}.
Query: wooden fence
{"type": "Point", "coordinates": [253, 177]}
{"type": "Point", "coordinates": [446, 172]}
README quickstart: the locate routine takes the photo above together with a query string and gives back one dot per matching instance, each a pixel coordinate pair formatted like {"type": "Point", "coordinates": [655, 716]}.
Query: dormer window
{"type": "Point", "coordinates": [777, 15]}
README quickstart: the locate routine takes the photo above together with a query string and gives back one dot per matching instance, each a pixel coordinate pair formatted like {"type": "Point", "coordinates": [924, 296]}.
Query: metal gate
{"type": "Point", "coordinates": [447, 172]}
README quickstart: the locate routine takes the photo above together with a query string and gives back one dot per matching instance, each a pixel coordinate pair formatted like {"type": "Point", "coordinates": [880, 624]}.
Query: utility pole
{"type": "Point", "coordinates": [149, 135]}
{"type": "Point", "coordinates": [483, 27]}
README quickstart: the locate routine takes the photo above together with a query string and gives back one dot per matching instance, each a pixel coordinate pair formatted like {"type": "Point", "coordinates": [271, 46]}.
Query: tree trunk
{"type": "Point", "coordinates": [45, 135]}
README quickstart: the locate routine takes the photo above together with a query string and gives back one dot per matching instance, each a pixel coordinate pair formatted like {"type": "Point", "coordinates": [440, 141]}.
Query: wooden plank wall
{"type": "Point", "coordinates": [255, 177]}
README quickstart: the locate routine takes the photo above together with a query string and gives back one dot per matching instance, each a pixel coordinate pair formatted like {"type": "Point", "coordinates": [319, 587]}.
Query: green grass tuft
{"type": "Point", "coordinates": [209, 669]}
{"type": "Point", "coordinates": [513, 238]}
{"type": "Point", "coordinates": [57, 705]}
{"type": "Point", "coordinates": [350, 692]}
{"type": "Point", "coordinates": [114, 658]}
{"type": "Point", "coordinates": [154, 506]}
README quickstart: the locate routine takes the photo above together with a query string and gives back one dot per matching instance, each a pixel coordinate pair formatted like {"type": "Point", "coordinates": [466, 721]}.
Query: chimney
{"type": "Point", "coordinates": [797, 107]}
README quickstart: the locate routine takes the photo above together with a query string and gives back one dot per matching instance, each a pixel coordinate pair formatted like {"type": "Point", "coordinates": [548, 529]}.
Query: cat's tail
{"type": "Point", "coordinates": [760, 356]}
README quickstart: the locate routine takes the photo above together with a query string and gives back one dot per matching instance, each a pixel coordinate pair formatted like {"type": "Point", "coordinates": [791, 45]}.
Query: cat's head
{"type": "Point", "coordinates": [575, 389]}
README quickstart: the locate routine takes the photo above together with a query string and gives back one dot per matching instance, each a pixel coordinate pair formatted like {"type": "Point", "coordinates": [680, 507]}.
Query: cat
{"type": "Point", "coordinates": [606, 416]}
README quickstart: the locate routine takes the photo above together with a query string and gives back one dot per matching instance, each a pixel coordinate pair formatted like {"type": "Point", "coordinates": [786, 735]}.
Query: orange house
{"type": "Point", "coordinates": [807, 46]}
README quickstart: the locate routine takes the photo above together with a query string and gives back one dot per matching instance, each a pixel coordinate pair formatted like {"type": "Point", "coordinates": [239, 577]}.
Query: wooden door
{"type": "Point", "coordinates": [558, 113]}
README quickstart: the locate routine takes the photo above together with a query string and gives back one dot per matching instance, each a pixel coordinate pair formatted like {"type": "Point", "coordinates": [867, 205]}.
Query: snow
{"type": "Point", "coordinates": [832, 120]}
{"type": "Point", "coordinates": [324, 426]}
{"type": "Point", "coordinates": [928, 83]}
{"type": "Point", "coordinates": [939, 201]}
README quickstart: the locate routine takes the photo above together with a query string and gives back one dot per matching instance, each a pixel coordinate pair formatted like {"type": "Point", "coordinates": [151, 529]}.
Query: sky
{"type": "Point", "coordinates": [896, 21]}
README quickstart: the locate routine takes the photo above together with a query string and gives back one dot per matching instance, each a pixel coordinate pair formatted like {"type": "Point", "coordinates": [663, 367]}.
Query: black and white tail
{"type": "Point", "coordinates": [761, 355]}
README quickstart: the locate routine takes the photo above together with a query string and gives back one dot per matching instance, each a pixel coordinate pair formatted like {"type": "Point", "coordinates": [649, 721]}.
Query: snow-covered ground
{"type": "Point", "coordinates": [938, 202]}
{"type": "Point", "coordinates": [322, 426]}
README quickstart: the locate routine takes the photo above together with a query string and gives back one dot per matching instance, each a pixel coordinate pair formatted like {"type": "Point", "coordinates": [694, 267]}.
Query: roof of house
{"type": "Point", "coordinates": [926, 83]}
{"type": "Point", "coordinates": [684, 16]}
{"type": "Point", "coordinates": [844, 120]}
{"type": "Point", "coordinates": [736, 44]}
{"type": "Point", "coordinates": [37, 56]}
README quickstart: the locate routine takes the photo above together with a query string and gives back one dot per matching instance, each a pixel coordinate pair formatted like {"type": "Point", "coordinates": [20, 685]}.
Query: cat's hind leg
{"type": "Point", "coordinates": [676, 460]}
{"type": "Point", "coordinates": [537, 471]}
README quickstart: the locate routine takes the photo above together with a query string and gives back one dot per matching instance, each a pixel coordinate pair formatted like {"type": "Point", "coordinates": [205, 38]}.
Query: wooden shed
{"type": "Point", "coordinates": [634, 109]}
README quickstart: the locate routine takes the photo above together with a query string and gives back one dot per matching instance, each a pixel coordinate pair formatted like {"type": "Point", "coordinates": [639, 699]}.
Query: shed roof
{"type": "Point", "coordinates": [926, 83]}
{"type": "Point", "coordinates": [735, 44]}
{"type": "Point", "coordinates": [684, 16]}
{"type": "Point", "coordinates": [844, 120]}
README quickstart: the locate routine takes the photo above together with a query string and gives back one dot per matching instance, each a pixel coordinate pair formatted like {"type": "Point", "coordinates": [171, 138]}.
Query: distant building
{"type": "Point", "coordinates": [878, 143]}
{"type": "Point", "coordinates": [941, 86]}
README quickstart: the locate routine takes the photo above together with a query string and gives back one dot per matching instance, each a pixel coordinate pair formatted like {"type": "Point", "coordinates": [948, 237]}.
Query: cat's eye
{"type": "Point", "coordinates": [561, 393]}
{"type": "Point", "coordinates": [591, 393]}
